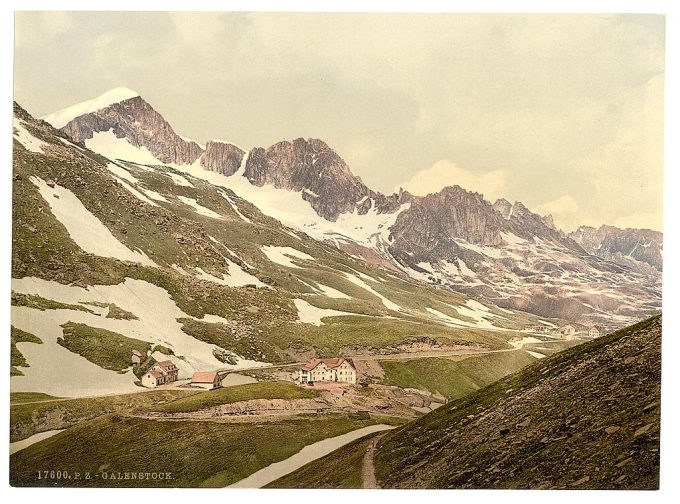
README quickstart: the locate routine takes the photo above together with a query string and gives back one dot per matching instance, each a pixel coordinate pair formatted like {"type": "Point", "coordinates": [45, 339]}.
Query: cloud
{"type": "Point", "coordinates": [47, 24]}
{"type": "Point", "coordinates": [563, 205]}
{"type": "Point", "coordinates": [446, 173]}
{"type": "Point", "coordinates": [652, 220]}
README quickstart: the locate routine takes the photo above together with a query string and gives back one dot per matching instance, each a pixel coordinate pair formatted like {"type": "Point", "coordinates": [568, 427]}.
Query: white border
{"type": "Point", "coordinates": [670, 465]}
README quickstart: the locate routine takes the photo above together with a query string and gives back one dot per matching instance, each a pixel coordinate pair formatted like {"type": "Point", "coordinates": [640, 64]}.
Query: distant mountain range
{"type": "Point", "coordinates": [500, 252]}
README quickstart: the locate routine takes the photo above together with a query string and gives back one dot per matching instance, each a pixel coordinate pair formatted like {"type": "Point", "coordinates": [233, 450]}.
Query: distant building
{"type": "Point", "coordinates": [136, 357]}
{"type": "Point", "coordinates": [206, 379]}
{"type": "Point", "coordinates": [333, 370]}
{"type": "Point", "coordinates": [596, 331]}
{"type": "Point", "coordinates": [568, 331]}
{"type": "Point", "coordinates": [160, 373]}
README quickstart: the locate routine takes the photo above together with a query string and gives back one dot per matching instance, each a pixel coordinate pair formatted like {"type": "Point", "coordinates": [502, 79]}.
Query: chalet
{"type": "Point", "coordinates": [160, 373]}
{"type": "Point", "coordinates": [206, 379]}
{"type": "Point", "coordinates": [596, 331]}
{"type": "Point", "coordinates": [333, 370]}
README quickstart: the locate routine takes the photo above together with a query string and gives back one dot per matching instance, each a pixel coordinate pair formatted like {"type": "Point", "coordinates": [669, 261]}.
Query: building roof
{"type": "Point", "coordinates": [204, 377]}
{"type": "Point", "coordinates": [598, 327]}
{"type": "Point", "coordinates": [166, 365]}
{"type": "Point", "coordinates": [331, 363]}
{"type": "Point", "coordinates": [156, 374]}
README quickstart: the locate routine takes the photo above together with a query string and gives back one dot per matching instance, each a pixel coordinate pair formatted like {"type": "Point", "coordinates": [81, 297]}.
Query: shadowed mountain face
{"type": "Point", "coordinates": [456, 239]}
{"type": "Point", "coordinates": [585, 418]}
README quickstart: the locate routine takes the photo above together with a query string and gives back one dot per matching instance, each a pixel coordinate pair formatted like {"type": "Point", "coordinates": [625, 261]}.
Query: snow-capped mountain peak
{"type": "Point", "coordinates": [63, 117]}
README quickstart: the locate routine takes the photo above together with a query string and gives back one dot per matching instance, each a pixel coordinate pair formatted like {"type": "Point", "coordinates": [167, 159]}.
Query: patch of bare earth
{"type": "Point", "coordinates": [334, 398]}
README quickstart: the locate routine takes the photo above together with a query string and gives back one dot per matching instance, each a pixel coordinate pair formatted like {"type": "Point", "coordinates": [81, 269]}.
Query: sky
{"type": "Point", "coordinates": [563, 112]}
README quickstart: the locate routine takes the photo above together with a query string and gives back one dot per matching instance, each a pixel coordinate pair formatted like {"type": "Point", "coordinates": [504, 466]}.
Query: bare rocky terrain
{"type": "Point", "coordinates": [639, 249]}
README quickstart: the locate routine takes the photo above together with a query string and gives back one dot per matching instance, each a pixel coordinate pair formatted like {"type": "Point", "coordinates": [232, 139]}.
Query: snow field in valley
{"type": "Point", "coordinates": [57, 371]}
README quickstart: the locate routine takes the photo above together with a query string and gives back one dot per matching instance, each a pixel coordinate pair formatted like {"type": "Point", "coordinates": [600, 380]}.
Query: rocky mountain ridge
{"type": "Point", "coordinates": [640, 249]}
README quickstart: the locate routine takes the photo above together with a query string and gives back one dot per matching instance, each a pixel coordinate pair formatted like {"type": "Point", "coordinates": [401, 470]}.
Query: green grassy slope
{"type": "Point", "coordinates": [17, 359]}
{"type": "Point", "coordinates": [29, 419]}
{"type": "Point", "coordinates": [263, 390]}
{"type": "Point", "coordinates": [454, 378]}
{"type": "Point", "coordinates": [195, 453]}
{"type": "Point", "coordinates": [107, 349]}
{"type": "Point", "coordinates": [24, 397]}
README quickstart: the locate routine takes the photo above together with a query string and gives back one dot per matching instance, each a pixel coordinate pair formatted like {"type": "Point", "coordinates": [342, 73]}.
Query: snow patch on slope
{"type": "Point", "coordinates": [476, 311]}
{"type": "Point", "coordinates": [24, 137]}
{"type": "Point", "coordinates": [450, 321]}
{"type": "Point", "coordinates": [154, 195]}
{"type": "Point", "coordinates": [283, 255]}
{"type": "Point", "coordinates": [179, 180]}
{"type": "Point", "coordinates": [309, 314]}
{"type": "Point", "coordinates": [386, 302]}
{"type": "Point", "coordinates": [200, 209]}
{"type": "Point", "coordinates": [235, 208]}
{"type": "Point", "coordinates": [83, 227]}
{"type": "Point", "coordinates": [109, 145]}
{"type": "Point", "coordinates": [134, 192]}
{"type": "Point", "coordinates": [289, 208]}
{"type": "Point", "coordinates": [331, 292]}
{"type": "Point", "coordinates": [122, 173]}
{"type": "Point", "coordinates": [235, 278]}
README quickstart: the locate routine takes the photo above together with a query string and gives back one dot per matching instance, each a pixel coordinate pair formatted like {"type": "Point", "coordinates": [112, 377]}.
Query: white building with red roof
{"type": "Point", "coordinates": [160, 373]}
{"type": "Point", "coordinates": [333, 370]}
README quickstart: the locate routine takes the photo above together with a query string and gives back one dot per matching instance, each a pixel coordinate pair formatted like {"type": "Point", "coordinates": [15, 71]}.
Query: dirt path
{"type": "Point", "coordinates": [428, 354]}
{"type": "Point", "coordinates": [309, 453]}
{"type": "Point", "coordinates": [368, 469]}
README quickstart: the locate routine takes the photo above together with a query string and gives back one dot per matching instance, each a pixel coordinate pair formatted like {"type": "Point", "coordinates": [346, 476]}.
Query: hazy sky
{"type": "Point", "coordinates": [561, 112]}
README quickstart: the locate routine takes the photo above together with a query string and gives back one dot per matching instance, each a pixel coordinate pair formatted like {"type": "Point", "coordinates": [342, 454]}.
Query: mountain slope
{"type": "Point", "coordinates": [198, 271]}
{"type": "Point", "coordinates": [638, 249]}
{"type": "Point", "coordinates": [587, 417]}
{"type": "Point", "coordinates": [500, 252]}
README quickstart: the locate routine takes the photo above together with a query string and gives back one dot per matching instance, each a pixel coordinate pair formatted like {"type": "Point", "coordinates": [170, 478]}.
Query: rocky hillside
{"type": "Point", "coordinates": [506, 253]}
{"type": "Point", "coordinates": [638, 249]}
{"type": "Point", "coordinates": [585, 418]}
{"type": "Point", "coordinates": [456, 239]}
